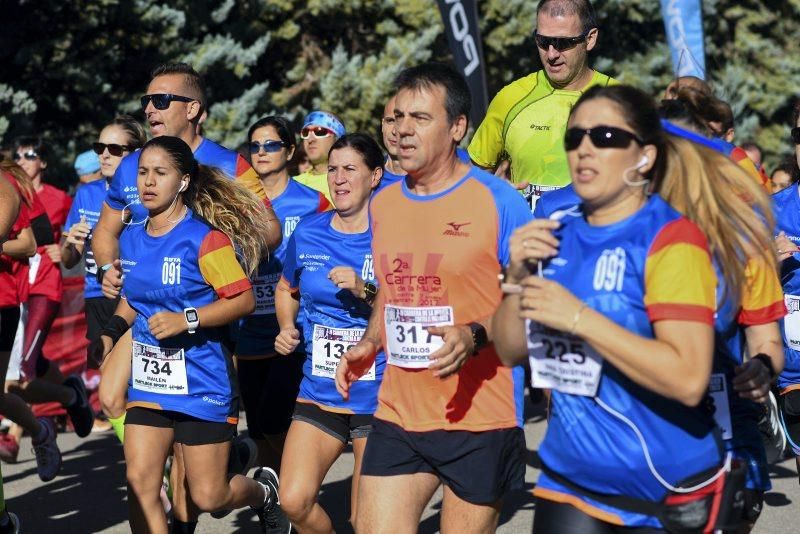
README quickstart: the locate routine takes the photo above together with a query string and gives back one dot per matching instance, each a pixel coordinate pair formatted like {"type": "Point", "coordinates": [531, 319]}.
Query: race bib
{"type": "Point", "coordinates": [264, 290]}
{"type": "Point", "coordinates": [159, 370]}
{"type": "Point", "coordinates": [562, 362]}
{"type": "Point", "coordinates": [329, 344]}
{"type": "Point", "coordinates": [718, 389]}
{"type": "Point", "coordinates": [409, 343]}
{"type": "Point", "coordinates": [791, 323]}
{"type": "Point", "coordinates": [534, 192]}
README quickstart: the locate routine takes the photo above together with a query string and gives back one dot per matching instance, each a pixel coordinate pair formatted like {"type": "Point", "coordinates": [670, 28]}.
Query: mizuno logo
{"type": "Point", "coordinates": [456, 227]}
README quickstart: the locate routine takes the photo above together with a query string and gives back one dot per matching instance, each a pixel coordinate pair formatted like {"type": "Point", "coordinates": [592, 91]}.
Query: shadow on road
{"type": "Point", "coordinates": [87, 496]}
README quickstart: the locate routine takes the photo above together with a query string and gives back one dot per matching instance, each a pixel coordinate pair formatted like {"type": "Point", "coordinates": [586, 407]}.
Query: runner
{"type": "Point", "coordinates": [446, 404]}
{"type": "Point", "coordinates": [602, 250]}
{"type": "Point", "coordinates": [16, 249]}
{"type": "Point", "coordinates": [320, 130]}
{"type": "Point", "coordinates": [785, 173]}
{"type": "Point", "coordinates": [119, 138]}
{"type": "Point", "coordinates": [525, 122]}
{"type": "Point", "coordinates": [87, 167]}
{"type": "Point", "coordinates": [269, 384]}
{"type": "Point", "coordinates": [174, 105]}
{"type": "Point", "coordinates": [328, 274]}
{"type": "Point", "coordinates": [392, 171]}
{"type": "Point", "coordinates": [183, 286]}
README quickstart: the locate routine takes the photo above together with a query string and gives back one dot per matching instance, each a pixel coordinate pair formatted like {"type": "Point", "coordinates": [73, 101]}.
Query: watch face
{"type": "Point", "coordinates": [191, 316]}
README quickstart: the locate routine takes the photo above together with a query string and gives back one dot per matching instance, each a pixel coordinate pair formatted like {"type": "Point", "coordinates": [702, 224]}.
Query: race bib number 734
{"type": "Point", "coordinates": [158, 369]}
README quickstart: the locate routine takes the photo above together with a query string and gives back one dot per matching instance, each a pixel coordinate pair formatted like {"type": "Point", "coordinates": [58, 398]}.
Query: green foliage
{"type": "Point", "coordinates": [69, 67]}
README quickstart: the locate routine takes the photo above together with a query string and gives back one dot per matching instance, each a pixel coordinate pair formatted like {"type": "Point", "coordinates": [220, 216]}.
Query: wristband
{"type": "Point", "coordinates": [577, 318]}
{"type": "Point", "coordinates": [115, 327]}
{"type": "Point", "coordinates": [101, 272]}
{"type": "Point", "coordinates": [767, 361]}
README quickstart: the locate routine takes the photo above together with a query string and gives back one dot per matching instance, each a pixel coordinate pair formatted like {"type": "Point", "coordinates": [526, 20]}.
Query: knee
{"type": "Point", "coordinates": [139, 480]}
{"type": "Point", "coordinates": [111, 402]}
{"type": "Point", "coordinates": [296, 501]}
{"type": "Point", "coordinates": [206, 498]}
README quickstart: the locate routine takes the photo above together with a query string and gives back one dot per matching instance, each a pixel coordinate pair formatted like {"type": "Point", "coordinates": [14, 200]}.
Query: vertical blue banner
{"type": "Point", "coordinates": [683, 21]}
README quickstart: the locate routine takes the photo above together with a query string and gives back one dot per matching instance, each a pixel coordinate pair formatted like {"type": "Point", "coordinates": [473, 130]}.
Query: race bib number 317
{"type": "Point", "coordinates": [408, 341]}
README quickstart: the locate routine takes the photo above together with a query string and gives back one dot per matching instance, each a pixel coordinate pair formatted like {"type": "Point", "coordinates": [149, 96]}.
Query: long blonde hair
{"type": "Point", "coordinates": [704, 185]}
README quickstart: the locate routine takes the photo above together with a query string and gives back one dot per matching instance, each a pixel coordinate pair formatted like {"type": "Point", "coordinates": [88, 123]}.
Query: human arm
{"type": "Point", "coordinates": [73, 245]}
{"type": "Point", "coordinates": [21, 247]}
{"type": "Point", "coordinates": [221, 312]}
{"type": "Point", "coordinates": [359, 358]}
{"type": "Point", "coordinates": [509, 332]}
{"type": "Point", "coordinates": [287, 306]}
{"type": "Point", "coordinates": [117, 325]}
{"type": "Point", "coordinates": [346, 278]}
{"type": "Point", "coordinates": [105, 245]}
{"type": "Point", "coordinates": [9, 207]}
{"type": "Point", "coordinates": [752, 379]}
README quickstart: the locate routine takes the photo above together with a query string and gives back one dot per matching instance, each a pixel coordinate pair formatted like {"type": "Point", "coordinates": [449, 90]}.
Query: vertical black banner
{"type": "Point", "coordinates": [460, 19]}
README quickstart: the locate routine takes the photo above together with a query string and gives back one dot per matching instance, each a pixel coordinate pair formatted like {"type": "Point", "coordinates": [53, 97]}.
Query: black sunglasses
{"type": "Point", "coordinates": [113, 148]}
{"type": "Point", "coordinates": [601, 136]}
{"type": "Point", "coordinates": [796, 135]}
{"type": "Point", "coordinates": [268, 146]}
{"type": "Point", "coordinates": [30, 155]}
{"type": "Point", "coordinates": [559, 43]}
{"type": "Point", "coordinates": [163, 100]}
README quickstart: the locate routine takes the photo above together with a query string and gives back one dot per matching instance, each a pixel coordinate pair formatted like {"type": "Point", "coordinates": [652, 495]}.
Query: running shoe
{"type": "Point", "coordinates": [13, 526]}
{"type": "Point", "coordinates": [80, 412]}
{"type": "Point", "coordinates": [48, 457]}
{"type": "Point", "coordinates": [772, 434]}
{"type": "Point", "coordinates": [270, 515]}
{"type": "Point", "coordinates": [9, 448]}
{"type": "Point", "coordinates": [242, 458]}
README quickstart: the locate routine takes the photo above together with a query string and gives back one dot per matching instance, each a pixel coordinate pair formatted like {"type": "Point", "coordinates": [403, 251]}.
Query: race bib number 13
{"type": "Point", "coordinates": [328, 346]}
{"type": "Point", "coordinates": [409, 343]}
{"type": "Point", "coordinates": [562, 362]}
{"type": "Point", "coordinates": [159, 370]}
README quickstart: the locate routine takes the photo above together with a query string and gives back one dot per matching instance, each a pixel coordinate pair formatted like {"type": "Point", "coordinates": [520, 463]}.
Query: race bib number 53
{"type": "Point", "coordinates": [409, 343]}
{"type": "Point", "coordinates": [562, 362]}
{"type": "Point", "coordinates": [158, 370]}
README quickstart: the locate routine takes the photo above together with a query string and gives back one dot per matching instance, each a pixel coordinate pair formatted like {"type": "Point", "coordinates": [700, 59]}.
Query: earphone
{"type": "Point", "coordinates": [642, 162]}
{"type": "Point", "coordinates": [184, 185]}
{"type": "Point", "coordinates": [638, 183]}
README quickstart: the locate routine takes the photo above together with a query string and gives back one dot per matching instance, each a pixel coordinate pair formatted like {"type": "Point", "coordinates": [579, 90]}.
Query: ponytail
{"type": "Point", "coordinates": [24, 182]}
{"type": "Point", "coordinates": [731, 209]}
{"type": "Point", "coordinates": [233, 210]}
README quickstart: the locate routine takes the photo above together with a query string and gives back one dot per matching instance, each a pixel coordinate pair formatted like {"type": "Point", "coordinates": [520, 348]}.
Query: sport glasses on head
{"type": "Point", "coordinates": [796, 135]}
{"type": "Point", "coordinates": [163, 100]}
{"type": "Point", "coordinates": [268, 146]}
{"type": "Point", "coordinates": [601, 137]}
{"type": "Point", "coordinates": [316, 131]}
{"type": "Point", "coordinates": [30, 155]}
{"type": "Point", "coordinates": [113, 148]}
{"type": "Point", "coordinates": [559, 43]}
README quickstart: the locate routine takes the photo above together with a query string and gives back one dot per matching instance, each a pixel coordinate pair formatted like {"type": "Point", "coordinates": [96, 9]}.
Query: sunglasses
{"type": "Point", "coordinates": [30, 155]}
{"type": "Point", "coordinates": [317, 131]}
{"type": "Point", "coordinates": [601, 137]}
{"type": "Point", "coordinates": [268, 146]}
{"type": "Point", "coordinates": [559, 43]}
{"type": "Point", "coordinates": [113, 148]}
{"type": "Point", "coordinates": [796, 135]}
{"type": "Point", "coordinates": [163, 100]}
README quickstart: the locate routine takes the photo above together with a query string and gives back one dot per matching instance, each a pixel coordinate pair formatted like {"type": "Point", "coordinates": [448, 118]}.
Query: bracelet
{"type": "Point", "coordinates": [577, 318]}
{"type": "Point", "coordinates": [767, 361]}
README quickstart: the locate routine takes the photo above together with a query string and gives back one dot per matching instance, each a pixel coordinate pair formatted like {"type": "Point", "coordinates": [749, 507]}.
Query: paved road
{"type": "Point", "coordinates": [89, 494]}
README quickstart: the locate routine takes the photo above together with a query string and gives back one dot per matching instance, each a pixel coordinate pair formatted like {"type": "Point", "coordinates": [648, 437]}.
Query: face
{"type": "Point", "coordinates": [780, 180]}
{"type": "Point", "coordinates": [175, 120]}
{"type": "Point", "coordinates": [317, 148]}
{"type": "Point", "coordinates": [597, 173]}
{"type": "Point", "coordinates": [112, 135]}
{"type": "Point", "coordinates": [425, 136]}
{"type": "Point", "coordinates": [568, 66]}
{"type": "Point", "coordinates": [268, 162]}
{"type": "Point", "coordinates": [388, 130]}
{"type": "Point", "coordinates": [158, 180]}
{"type": "Point", "coordinates": [32, 167]}
{"type": "Point", "coordinates": [350, 180]}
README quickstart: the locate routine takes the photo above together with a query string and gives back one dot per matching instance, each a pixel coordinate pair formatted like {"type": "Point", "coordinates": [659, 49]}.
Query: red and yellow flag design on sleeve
{"type": "Point", "coordinates": [742, 160]}
{"type": "Point", "coordinates": [762, 295]}
{"type": "Point", "coordinates": [247, 176]}
{"type": "Point", "coordinates": [680, 248]}
{"type": "Point", "coordinates": [219, 266]}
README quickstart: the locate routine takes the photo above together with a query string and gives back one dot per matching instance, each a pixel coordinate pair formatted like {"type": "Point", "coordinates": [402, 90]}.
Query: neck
{"type": "Point", "coordinates": [578, 82]}
{"type": "Point", "coordinates": [616, 210]}
{"type": "Point", "coordinates": [352, 223]}
{"type": "Point", "coordinates": [438, 177]}
{"type": "Point", "coordinates": [275, 182]}
{"type": "Point", "coordinates": [191, 138]}
{"type": "Point", "coordinates": [37, 182]}
{"type": "Point", "coordinates": [320, 167]}
{"type": "Point", "coordinates": [393, 166]}
{"type": "Point", "coordinates": [163, 222]}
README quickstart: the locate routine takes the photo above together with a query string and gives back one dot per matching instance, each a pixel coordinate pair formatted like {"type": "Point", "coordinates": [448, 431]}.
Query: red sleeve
{"type": "Point", "coordinates": [324, 204]}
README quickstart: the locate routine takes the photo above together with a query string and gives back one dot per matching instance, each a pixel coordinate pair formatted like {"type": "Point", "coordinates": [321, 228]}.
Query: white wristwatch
{"type": "Point", "coordinates": [192, 319]}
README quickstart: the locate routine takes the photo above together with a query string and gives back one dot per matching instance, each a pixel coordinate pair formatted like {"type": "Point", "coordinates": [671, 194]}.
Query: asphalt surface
{"type": "Point", "coordinates": [89, 494]}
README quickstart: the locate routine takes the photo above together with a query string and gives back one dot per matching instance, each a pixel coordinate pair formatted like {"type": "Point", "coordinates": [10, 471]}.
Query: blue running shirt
{"type": "Point", "coordinates": [87, 203]}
